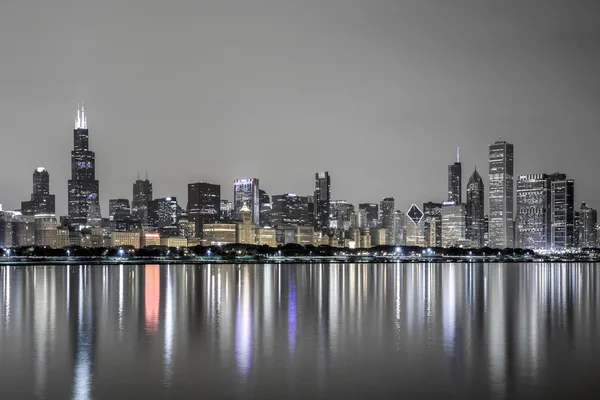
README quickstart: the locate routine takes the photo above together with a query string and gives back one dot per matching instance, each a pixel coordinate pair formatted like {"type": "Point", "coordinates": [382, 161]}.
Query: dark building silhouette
{"type": "Point", "coordinates": [562, 208]}
{"type": "Point", "coordinates": [83, 186]}
{"type": "Point", "coordinates": [289, 210]}
{"type": "Point", "coordinates": [163, 214]}
{"type": "Point", "coordinates": [42, 202]}
{"type": "Point", "coordinates": [142, 194]}
{"type": "Point", "coordinates": [501, 194]}
{"type": "Point", "coordinates": [455, 180]}
{"type": "Point", "coordinates": [432, 214]}
{"type": "Point", "coordinates": [204, 204]}
{"type": "Point", "coordinates": [587, 226]}
{"type": "Point", "coordinates": [246, 192]}
{"type": "Point", "coordinates": [475, 223]}
{"type": "Point", "coordinates": [265, 208]}
{"type": "Point", "coordinates": [371, 211]}
{"type": "Point", "coordinates": [321, 200]}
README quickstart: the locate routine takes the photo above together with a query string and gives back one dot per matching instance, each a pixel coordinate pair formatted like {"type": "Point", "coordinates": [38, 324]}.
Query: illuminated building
{"type": "Point", "coordinates": [562, 209]}
{"type": "Point", "coordinates": [219, 234]}
{"type": "Point", "coordinates": [415, 227]}
{"type": "Point", "coordinates": [501, 194]}
{"type": "Point", "coordinates": [387, 207]}
{"type": "Point", "coordinates": [83, 186]}
{"type": "Point", "coordinates": [150, 239]}
{"type": "Point", "coordinates": [41, 202]}
{"type": "Point", "coordinates": [587, 226]}
{"type": "Point", "coordinates": [399, 227]}
{"type": "Point", "coordinates": [340, 217]}
{"type": "Point", "coordinates": [173, 241]}
{"type": "Point", "coordinates": [289, 210]}
{"type": "Point", "coordinates": [119, 209]}
{"type": "Point", "coordinates": [285, 235]}
{"type": "Point", "coordinates": [23, 230]}
{"type": "Point", "coordinates": [62, 237]}
{"type": "Point", "coordinates": [304, 235]}
{"type": "Point", "coordinates": [204, 204]}
{"type": "Point", "coordinates": [45, 230]}
{"type": "Point", "coordinates": [321, 200]}
{"type": "Point", "coordinates": [94, 218]}
{"type": "Point", "coordinates": [533, 211]}
{"type": "Point", "coordinates": [371, 215]}
{"type": "Point", "coordinates": [245, 233]}
{"type": "Point", "coordinates": [266, 236]}
{"type": "Point", "coordinates": [475, 210]}
{"type": "Point", "coordinates": [432, 213]}
{"type": "Point", "coordinates": [246, 193]}
{"type": "Point", "coordinates": [378, 236]}
{"type": "Point", "coordinates": [365, 239]}
{"type": "Point", "coordinates": [265, 209]}
{"type": "Point", "coordinates": [142, 195]}
{"type": "Point", "coordinates": [226, 210]}
{"type": "Point", "coordinates": [453, 224]}
{"type": "Point", "coordinates": [162, 214]}
{"type": "Point", "coordinates": [455, 180]}
{"type": "Point", "coordinates": [119, 239]}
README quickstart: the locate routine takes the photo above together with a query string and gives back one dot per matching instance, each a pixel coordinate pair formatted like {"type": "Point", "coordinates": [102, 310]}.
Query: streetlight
{"type": "Point", "coordinates": [68, 253]}
{"type": "Point", "coordinates": [121, 252]}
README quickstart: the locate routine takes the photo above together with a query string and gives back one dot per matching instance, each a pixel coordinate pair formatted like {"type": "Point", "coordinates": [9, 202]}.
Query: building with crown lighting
{"type": "Point", "coordinates": [41, 201]}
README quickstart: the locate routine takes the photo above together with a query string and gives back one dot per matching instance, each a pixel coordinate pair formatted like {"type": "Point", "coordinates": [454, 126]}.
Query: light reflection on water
{"type": "Point", "coordinates": [298, 331]}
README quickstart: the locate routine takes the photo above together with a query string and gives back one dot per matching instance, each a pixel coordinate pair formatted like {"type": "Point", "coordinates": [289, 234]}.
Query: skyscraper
{"type": "Point", "coordinates": [265, 208]}
{"type": "Point", "coordinates": [204, 204]}
{"type": "Point", "coordinates": [399, 227]}
{"type": "Point", "coordinates": [162, 214]}
{"type": "Point", "coordinates": [41, 202]}
{"type": "Point", "coordinates": [455, 180]}
{"type": "Point", "coordinates": [340, 215]}
{"type": "Point", "coordinates": [322, 199]}
{"type": "Point", "coordinates": [475, 210]}
{"type": "Point", "coordinates": [118, 209]}
{"type": "Point", "coordinates": [453, 224]}
{"type": "Point", "coordinates": [387, 220]}
{"type": "Point", "coordinates": [142, 194]}
{"type": "Point", "coordinates": [83, 186]}
{"type": "Point", "coordinates": [501, 194]}
{"type": "Point", "coordinates": [246, 192]}
{"type": "Point", "coordinates": [415, 227]}
{"type": "Point", "coordinates": [289, 210]}
{"type": "Point", "coordinates": [533, 211]}
{"type": "Point", "coordinates": [562, 208]}
{"type": "Point", "coordinates": [371, 212]}
{"type": "Point", "coordinates": [587, 226]}
{"type": "Point", "coordinates": [432, 214]}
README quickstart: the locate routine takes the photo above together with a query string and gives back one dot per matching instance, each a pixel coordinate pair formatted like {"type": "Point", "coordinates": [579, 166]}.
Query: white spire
{"type": "Point", "coordinates": [458, 154]}
{"type": "Point", "coordinates": [80, 121]}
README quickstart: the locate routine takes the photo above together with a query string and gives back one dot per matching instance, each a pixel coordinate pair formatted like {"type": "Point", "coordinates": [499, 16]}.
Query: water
{"type": "Point", "coordinates": [300, 331]}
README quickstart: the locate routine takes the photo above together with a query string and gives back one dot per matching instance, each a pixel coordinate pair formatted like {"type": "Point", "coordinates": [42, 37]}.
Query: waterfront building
{"type": "Point", "coordinates": [285, 235]}
{"type": "Point", "coordinates": [304, 235]}
{"type": "Point", "coordinates": [41, 201]}
{"type": "Point", "coordinates": [340, 215]}
{"type": "Point", "coordinates": [378, 236]}
{"type": "Point", "coordinates": [475, 229]}
{"type": "Point", "coordinates": [533, 211]}
{"type": "Point", "coordinates": [455, 180]}
{"type": "Point", "coordinates": [45, 230]}
{"type": "Point", "coordinates": [83, 186]}
{"type": "Point", "coordinates": [266, 237]}
{"type": "Point", "coordinates": [226, 214]}
{"type": "Point", "coordinates": [587, 226]}
{"type": "Point", "coordinates": [23, 230]}
{"type": "Point", "coordinates": [204, 204]}
{"type": "Point", "coordinates": [150, 239]}
{"type": "Point", "coordinates": [399, 227]}
{"type": "Point", "coordinates": [321, 201]}
{"type": "Point", "coordinates": [265, 209]}
{"type": "Point", "coordinates": [387, 208]}
{"type": "Point", "coordinates": [371, 215]}
{"type": "Point", "coordinates": [219, 233]}
{"type": "Point", "coordinates": [562, 208]}
{"type": "Point", "coordinates": [453, 224]}
{"type": "Point", "coordinates": [62, 237]}
{"type": "Point", "coordinates": [120, 239]}
{"type": "Point", "coordinates": [501, 194]}
{"type": "Point", "coordinates": [245, 227]}
{"type": "Point", "coordinates": [246, 193]}
{"type": "Point", "coordinates": [162, 215]}
{"type": "Point", "coordinates": [174, 241]}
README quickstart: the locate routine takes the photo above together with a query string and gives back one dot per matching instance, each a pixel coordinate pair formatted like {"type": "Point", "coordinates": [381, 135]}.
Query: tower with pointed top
{"type": "Point", "coordinates": [83, 185]}
{"type": "Point", "coordinates": [455, 180]}
{"type": "Point", "coordinates": [475, 210]}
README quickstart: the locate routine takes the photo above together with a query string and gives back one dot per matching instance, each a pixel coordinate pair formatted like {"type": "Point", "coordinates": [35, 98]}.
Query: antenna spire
{"type": "Point", "coordinates": [458, 154]}
{"type": "Point", "coordinates": [80, 121]}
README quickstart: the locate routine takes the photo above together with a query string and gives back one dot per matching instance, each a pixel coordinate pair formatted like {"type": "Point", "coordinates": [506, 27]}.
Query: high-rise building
{"type": "Point", "coordinates": [455, 180]}
{"type": "Point", "coordinates": [399, 227]}
{"type": "Point", "coordinates": [226, 211]}
{"type": "Point", "coordinates": [433, 223]}
{"type": "Point", "coordinates": [562, 209]}
{"type": "Point", "coordinates": [415, 227]}
{"type": "Point", "coordinates": [245, 227]}
{"type": "Point", "coordinates": [387, 220]}
{"type": "Point", "coordinates": [265, 209]}
{"type": "Point", "coordinates": [41, 202]}
{"type": "Point", "coordinates": [371, 215]}
{"type": "Point", "coordinates": [340, 215]}
{"type": "Point", "coordinates": [290, 210]}
{"type": "Point", "coordinates": [533, 211]}
{"type": "Point", "coordinates": [587, 226]}
{"type": "Point", "coordinates": [454, 223]}
{"type": "Point", "coordinates": [83, 186]}
{"type": "Point", "coordinates": [142, 194]}
{"type": "Point", "coordinates": [204, 204]}
{"type": "Point", "coordinates": [501, 194]}
{"type": "Point", "coordinates": [45, 230]}
{"type": "Point", "coordinates": [322, 199]}
{"type": "Point", "coordinates": [246, 192]}
{"type": "Point", "coordinates": [118, 209]}
{"type": "Point", "coordinates": [475, 210]}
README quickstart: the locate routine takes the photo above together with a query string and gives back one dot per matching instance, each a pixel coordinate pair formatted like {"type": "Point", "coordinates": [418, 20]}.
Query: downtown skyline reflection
{"type": "Point", "coordinates": [299, 331]}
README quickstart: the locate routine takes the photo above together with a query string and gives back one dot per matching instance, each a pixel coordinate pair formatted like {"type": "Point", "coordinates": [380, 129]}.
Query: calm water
{"type": "Point", "coordinates": [300, 331]}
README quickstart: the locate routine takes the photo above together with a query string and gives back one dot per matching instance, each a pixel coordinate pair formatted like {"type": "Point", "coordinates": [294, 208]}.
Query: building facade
{"type": "Point", "coordinates": [142, 195]}
{"type": "Point", "coordinates": [204, 204]}
{"type": "Point", "coordinates": [41, 201]}
{"type": "Point", "coordinates": [455, 180]}
{"type": "Point", "coordinates": [562, 209]}
{"type": "Point", "coordinates": [454, 224]}
{"type": "Point", "coordinates": [533, 211]}
{"type": "Point", "coordinates": [246, 192]}
{"type": "Point", "coordinates": [588, 219]}
{"type": "Point", "coordinates": [432, 213]}
{"type": "Point", "coordinates": [501, 194]}
{"type": "Point", "coordinates": [289, 210]}
{"type": "Point", "coordinates": [415, 227]}
{"type": "Point", "coordinates": [321, 201]}
{"type": "Point", "coordinates": [475, 210]}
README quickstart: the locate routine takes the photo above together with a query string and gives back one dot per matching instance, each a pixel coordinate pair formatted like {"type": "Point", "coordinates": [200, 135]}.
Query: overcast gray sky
{"type": "Point", "coordinates": [379, 93]}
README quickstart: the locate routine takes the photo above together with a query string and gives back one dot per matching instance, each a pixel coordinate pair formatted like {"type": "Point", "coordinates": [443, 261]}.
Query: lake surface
{"type": "Point", "coordinates": [354, 331]}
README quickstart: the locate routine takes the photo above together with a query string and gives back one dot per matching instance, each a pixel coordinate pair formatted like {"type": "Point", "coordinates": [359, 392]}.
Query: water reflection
{"type": "Point", "coordinates": [299, 330]}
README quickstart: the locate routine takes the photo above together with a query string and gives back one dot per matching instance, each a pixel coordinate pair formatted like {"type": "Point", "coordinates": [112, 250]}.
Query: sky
{"type": "Point", "coordinates": [377, 92]}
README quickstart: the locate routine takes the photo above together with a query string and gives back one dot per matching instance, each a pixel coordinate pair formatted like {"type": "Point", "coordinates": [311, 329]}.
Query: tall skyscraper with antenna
{"type": "Point", "coordinates": [501, 194]}
{"type": "Point", "coordinates": [455, 180]}
{"type": "Point", "coordinates": [142, 195]}
{"type": "Point", "coordinates": [83, 185]}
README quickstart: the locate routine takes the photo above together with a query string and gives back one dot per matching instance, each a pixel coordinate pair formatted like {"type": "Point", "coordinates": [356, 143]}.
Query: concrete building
{"type": "Point", "coordinates": [219, 234]}
{"type": "Point", "coordinates": [266, 236]}
{"type": "Point", "coordinates": [45, 230]}
{"type": "Point", "coordinates": [501, 194]}
{"type": "Point", "coordinates": [475, 210]}
{"type": "Point", "coordinates": [415, 227]}
{"type": "Point", "coordinates": [453, 224]}
{"type": "Point", "coordinates": [245, 227]}
{"type": "Point", "coordinates": [119, 239]}
{"type": "Point", "coordinates": [246, 192]}
{"type": "Point", "coordinates": [150, 239]}
{"type": "Point", "coordinates": [562, 212]}
{"type": "Point", "coordinates": [378, 236]}
{"type": "Point", "coordinates": [304, 235]}
{"type": "Point", "coordinates": [174, 241]}
{"type": "Point", "coordinates": [432, 214]}
{"type": "Point", "coordinates": [587, 226]}
{"type": "Point", "coordinates": [387, 209]}
{"type": "Point", "coordinates": [533, 212]}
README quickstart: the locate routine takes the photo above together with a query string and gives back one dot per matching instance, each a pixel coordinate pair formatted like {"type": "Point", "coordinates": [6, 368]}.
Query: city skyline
{"type": "Point", "coordinates": [377, 92]}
